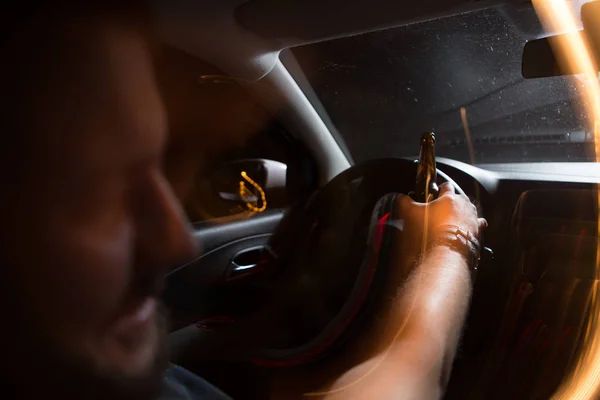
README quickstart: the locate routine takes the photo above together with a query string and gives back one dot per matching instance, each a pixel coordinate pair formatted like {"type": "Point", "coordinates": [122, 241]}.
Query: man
{"type": "Point", "coordinates": [91, 224]}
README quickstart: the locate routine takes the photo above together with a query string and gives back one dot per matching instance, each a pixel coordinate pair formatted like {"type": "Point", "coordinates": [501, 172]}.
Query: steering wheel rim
{"type": "Point", "coordinates": [364, 194]}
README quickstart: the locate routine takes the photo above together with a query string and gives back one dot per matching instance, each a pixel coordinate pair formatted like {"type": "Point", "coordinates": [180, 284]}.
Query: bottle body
{"type": "Point", "coordinates": [426, 188]}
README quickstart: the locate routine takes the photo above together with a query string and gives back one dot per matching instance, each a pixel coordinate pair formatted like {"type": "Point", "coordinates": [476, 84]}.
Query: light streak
{"type": "Point", "coordinates": [573, 54]}
{"type": "Point", "coordinates": [465, 123]}
{"type": "Point", "coordinates": [244, 192]}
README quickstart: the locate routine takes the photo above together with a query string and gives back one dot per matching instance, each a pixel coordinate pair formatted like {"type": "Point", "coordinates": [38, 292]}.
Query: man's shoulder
{"type": "Point", "coordinates": [181, 384]}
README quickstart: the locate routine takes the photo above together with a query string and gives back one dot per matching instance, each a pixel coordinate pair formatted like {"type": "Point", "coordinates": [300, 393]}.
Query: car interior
{"type": "Point", "coordinates": [294, 125]}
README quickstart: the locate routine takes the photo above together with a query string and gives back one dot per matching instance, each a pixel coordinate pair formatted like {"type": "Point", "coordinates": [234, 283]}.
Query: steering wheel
{"type": "Point", "coordinates": [335, 261]}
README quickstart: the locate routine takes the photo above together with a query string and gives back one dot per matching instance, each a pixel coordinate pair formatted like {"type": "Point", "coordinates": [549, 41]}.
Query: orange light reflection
{"type": "Point", "coordinates": [245, 192]}
{"type": "Point", "coordinates": [573, 54]}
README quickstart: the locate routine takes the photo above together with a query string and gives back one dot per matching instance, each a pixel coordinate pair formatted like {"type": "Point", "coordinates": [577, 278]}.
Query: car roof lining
{"type": "Point", "coordinates": [293, 23]}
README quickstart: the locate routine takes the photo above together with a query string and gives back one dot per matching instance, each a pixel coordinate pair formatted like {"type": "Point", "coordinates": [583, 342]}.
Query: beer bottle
{"type": "Point", "coordinates": [426, 188]}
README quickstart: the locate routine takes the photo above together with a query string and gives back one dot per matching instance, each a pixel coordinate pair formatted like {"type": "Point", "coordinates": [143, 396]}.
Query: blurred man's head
{"type": "Point", "coordinates": [90, 223]}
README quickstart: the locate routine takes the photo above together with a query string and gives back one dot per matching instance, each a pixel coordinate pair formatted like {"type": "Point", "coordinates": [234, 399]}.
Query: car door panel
{"type": "Point", "coordinates": [201, 287]}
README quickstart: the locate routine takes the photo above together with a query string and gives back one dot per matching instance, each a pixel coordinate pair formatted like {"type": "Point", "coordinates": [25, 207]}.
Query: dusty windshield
{"type": "Point", "coordinates": [459, 76]}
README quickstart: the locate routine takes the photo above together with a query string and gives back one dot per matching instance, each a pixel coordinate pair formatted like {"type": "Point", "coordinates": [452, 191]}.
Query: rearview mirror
{"type": "Point", "coordinates": [540, 59]}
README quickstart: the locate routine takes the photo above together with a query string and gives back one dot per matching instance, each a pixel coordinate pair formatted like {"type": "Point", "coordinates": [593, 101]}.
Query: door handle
{"type": "Point", "coordinates": [248, 261]}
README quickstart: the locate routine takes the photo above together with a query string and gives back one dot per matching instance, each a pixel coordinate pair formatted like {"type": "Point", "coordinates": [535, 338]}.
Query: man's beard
{"type": "Point", "coordinates": [35, 368]}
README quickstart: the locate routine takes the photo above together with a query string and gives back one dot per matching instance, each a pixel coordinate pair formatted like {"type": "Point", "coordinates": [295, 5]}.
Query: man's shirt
{"type": "Point", "coordinates": [181, 384]}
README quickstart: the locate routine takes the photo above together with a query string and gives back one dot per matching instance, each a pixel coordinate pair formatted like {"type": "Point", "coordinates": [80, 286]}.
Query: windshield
{"type": "Point", "coordinates": [459, 77]}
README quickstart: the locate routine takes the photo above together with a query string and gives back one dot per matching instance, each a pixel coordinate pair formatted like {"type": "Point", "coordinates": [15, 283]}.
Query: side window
{"type": "Point", "coordinates": [228, 157]}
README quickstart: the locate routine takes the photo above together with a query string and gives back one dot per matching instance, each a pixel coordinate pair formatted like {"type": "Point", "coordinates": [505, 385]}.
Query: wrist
{"type": "Point", "coordinates": [443, 255]}
{"type": "Point", "coordinates": [443, 250]}
{"type": "Point", "coordinates": [451, 238]}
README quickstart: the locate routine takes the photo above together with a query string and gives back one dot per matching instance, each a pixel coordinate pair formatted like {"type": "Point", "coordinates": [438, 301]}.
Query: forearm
{"type": "Point", "coordinates": [431, 310]}
{"type": "Point", "coordinates": [426, 319]}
